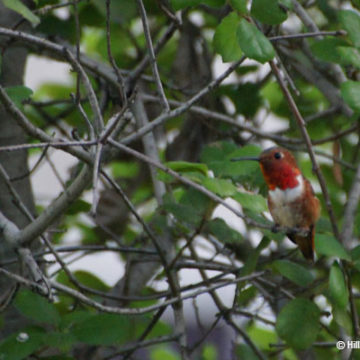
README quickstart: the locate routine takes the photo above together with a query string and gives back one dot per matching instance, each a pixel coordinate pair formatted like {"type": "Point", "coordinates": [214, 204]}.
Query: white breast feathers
{"type": "Point", "coordinates": [286, 196]}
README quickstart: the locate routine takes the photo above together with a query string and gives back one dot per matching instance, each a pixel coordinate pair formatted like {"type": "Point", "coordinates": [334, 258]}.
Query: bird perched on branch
{"type": "Point", "coordinates": [291, 199]}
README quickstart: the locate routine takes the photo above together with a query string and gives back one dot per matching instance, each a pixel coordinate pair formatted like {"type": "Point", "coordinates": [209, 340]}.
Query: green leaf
{"type": "Point", "coordinates": [78, 206]}
{"type": "Point", "coordinates": [350, 91]}
{"type": "Point", "coordinates": [245, 96]}
{"type": "Point", "coordinates": [120, 11]}
{"type": "Point", "coordinates": [251, 261]}
{"type": "Point", "coordinates": [209, 352]}
{"type": "Point", "coordinates": [218, 158]}
{"type": "Point", "coordinates": [337, 287]}
{"type": "Point", "coordinates": [262, 337]}
{"type": "Point", "coordinates": [60, 340]}
{"type": "Point", "coordinates": [342, 317]}
{"type": "Point", "coordinates": [245, 352]}
{"type": "Point", "coordinates": [182, 4]}
{"type": "Point", "coordinates": [272, 95]}
{"type": "Point", "coordinates": [70, 319]}
{"type": "Point", "coordinates": [197, 200]}
{"type": "Point", "coordinates": [124, 169]}
{"type": "Point", "coordinates": [254, 202]}
{"type": "Point", "coordinates": [246, 295]}
{"type": "Point", "coordinates": [287, 4]}
{"type": "Point", "coordinates": [220, 187]}
{"type": "Point", "coordinates": [35, 307]}
{"type": "Point", "coordinates": [102, 329]}
{"type": "Point", "coordinates": [163, 353]}
{"type": "Point", "coordinates": [253, 42]}
{"type": "Point", "coordinates": [355, 253]}
{"type": "Point", "coordinates": [90, 280]}
{"type": "Point", "coordinates": [239, 5]}
{"type": "Point", "coordinates": [327, 245]}
{"type": "Point", "coordinates": [18, 94]}
{"type": "Point", "coordinates": [22, 344]}
{"type": "Point", "coordinates": [356, 3]}
{"type": "Point", "coordinates": [349, 56]}
{"type": "Point", "coordinates": [185, 166]}
{"type": "Point", "coordinates": [350, 21]}
{"type": "Point", "coordinates": [183, 213]}
{"type": "Point", "coordinates": [268, 12]}
{"type": "Point", "coordinates": [88, 234]}
{"type": "Point", "coordinates": [225, 40]}
{"type": "Point", "coordinates": [326, 49]}
{"type": "Point", "coordinates": [298, 323]}
{"type": "Point", "coordinates": [193, 171]}
{"type": "Point", "coordinates": [19, 7]}
{"type": "Point", "coordinates": [221, 230]}
{"type": "Point", "coordinates": [294, 272]}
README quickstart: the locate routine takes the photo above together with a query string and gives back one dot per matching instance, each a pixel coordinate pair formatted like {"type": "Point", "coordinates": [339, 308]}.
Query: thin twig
{"type": "Point", "coordinates": [155, 319]}
{"type": "Point", "coordinates": [353, 308]}
{"type": "Point", "coordinates": [111, 125]}
{"type": "Point", "coordinates": [95, 180]}
{"type": "Point", "coordinates": [142, 344]}
{"type": "Point", "coordinates": [136, 73]}
{"type": "Point", "coordinates": [98, 119]}
{"type": "Point", "coordinates": [308, 35]}
{"type": "Point", "coordinates": [153, 62]}
{"type": "Point", "coordinates": [150, 147]}
{"type": "Point", "coordinates": [77, 46]}
{"type": "Point", "coordinates": [55, 171]}
{"type": "Point", "coordinates": [140, 311]}
{"type": "Point", "coordinates": [82, 112]}
{"type": "Point", "coordinates": [55, 144]}
{"type": "Point", "coordinates": [57, 207]}
{"type": "Point", "coordinates": [117, 71]}
{"type": "Point", "coordinates": [351, 211]}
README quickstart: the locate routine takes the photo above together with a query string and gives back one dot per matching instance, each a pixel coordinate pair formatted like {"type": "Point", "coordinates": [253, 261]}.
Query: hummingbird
{"type": "Point", "coordinates": [291, 199]}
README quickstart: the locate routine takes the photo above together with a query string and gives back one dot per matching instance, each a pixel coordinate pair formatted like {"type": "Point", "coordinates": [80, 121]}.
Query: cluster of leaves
{"type": "Point", "coordinates": [54, 327]}
{"type": "Point", "coordinates": [247, 30]}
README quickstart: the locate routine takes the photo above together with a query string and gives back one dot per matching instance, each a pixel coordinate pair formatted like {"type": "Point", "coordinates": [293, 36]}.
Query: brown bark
{"type": "Point", "coordinates": [14, 163]}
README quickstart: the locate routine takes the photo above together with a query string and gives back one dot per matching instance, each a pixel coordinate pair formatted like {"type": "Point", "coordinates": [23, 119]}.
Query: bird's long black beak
{"type": "Point", "coordinates": [252, 158]}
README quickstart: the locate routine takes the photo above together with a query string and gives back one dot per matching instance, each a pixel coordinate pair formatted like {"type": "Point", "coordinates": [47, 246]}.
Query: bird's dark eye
{"type": "Point", "coordinates": [277, 155]}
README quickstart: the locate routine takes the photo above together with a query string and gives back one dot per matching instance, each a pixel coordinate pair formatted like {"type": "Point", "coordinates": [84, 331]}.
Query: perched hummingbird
{"type": "Point", "coordinates": [291, 199]}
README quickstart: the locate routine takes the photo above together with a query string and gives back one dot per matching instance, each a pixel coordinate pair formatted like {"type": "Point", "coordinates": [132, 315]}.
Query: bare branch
{"type": "Point", "coordinates": [98, 119]}
{"type": "Point", "coordinates": [351, 211]}
{"type": "Point", "coordinates": [308, 35]}
{"type": "Point", "coordinates": [119, 76]}
{"type": "Point", "coordinates": [143, 344]}
{"type": "Point", "coordinates": [153, 62]}
{"type": "Point", "coordinates": [140, 311]}
{"type": "Point", "coordinates": [56, 208]}
{"type": "Point", "coordinates": [150, 147]}
{"type": "Point", "coordinates": [95, 180]}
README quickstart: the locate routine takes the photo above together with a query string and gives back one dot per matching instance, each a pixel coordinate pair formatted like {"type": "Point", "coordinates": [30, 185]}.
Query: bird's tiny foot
{"type": "Point", "coordinates": [275, 228]}
{"type": "Point", "coordinates": [298, 230]}
{"type": "Point", "coordinates": [294, 230]}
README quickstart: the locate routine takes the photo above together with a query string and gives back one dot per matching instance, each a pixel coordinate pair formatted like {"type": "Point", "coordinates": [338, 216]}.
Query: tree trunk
{"type": "Point", "coordinates": [15, 162]}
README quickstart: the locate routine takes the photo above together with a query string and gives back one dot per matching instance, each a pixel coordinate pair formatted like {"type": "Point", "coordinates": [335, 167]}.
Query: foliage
{"type": "Point", "coordinates": [154, 127]}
